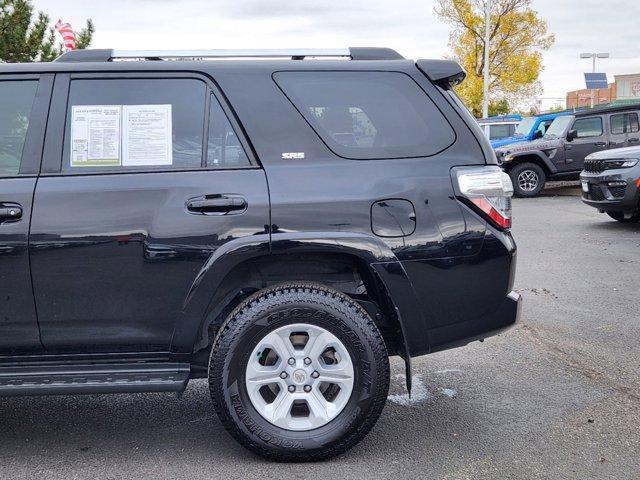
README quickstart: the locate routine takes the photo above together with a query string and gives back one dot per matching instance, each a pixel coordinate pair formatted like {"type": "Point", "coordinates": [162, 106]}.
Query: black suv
{"type": "Point", "coordinates": [278, 225]}
{"type": "Point", "coordinates": [570, 138]}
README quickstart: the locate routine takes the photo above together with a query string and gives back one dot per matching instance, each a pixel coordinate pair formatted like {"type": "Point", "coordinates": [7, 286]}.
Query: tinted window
{"type": "Point", "coordinates": [146, 139]}
{"type": "Point", "coordinates": [588, 127]}
{"type": "Point", "coordinates": [16, 100]}
{"type": "Point", "coordinates": [500, 131]}
{"type": "Point", "coordinates": [624, 123]}
{"type": "Point", "coordinates": [368, 115]}
{"type": "Point", "coordinates": [224, 149]}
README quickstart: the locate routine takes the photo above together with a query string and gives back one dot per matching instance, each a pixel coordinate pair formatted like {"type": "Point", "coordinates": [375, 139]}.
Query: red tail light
{"type": "Point", "coordinates": [489, 191]}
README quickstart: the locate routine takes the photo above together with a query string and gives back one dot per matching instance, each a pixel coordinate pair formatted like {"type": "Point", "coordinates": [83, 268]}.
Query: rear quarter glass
{"type": "Point", "coordinates": [368, 115]}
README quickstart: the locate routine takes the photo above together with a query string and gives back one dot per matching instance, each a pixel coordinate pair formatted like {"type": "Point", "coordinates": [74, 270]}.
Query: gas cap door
{"type": "Point", "coordinates": [393, 217]}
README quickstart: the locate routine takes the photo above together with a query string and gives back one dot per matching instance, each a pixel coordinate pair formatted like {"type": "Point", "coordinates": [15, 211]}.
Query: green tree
{"type": "Point", "coordinates": [556, 108]}
{"type": "Point", "coordinates": [26, 36]}
{"type": "Point", "coordinates": [500, 107]}
{"type": "Point", "coordinates": [518, 36]}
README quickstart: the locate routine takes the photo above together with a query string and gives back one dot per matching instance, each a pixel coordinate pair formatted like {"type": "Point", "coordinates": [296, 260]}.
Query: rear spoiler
{"type": "Point", "coordinates": [445, 73]}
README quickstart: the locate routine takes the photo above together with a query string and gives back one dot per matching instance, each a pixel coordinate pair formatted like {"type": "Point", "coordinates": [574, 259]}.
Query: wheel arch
{"type": "Point", "coordinates": [537, 158]}
{"type": "Point", "coordinates": [348, 262]}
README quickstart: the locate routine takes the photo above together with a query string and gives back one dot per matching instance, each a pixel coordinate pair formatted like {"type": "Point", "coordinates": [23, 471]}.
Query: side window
{"type": "Point", "coordinates": [500, 131]}
{"type": "Point", "coordinates": [542, 128]}
{"type": "Point", "coordinates": [224, 149]}
{"type": "Point", "coordinates": [132, 124]}
{"type": "Point", "coordinates": [588, 127]}
{"type": "Point", "coordinates": [16, 101]}
{"type": "Point", "coordinates": [624, 123]}
{"type": "Point", "coordinates": [368, 115]}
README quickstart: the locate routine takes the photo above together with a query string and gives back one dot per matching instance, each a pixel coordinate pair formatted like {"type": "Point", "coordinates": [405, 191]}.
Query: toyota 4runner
{"type": "Point", "coordinates": [277, 222]}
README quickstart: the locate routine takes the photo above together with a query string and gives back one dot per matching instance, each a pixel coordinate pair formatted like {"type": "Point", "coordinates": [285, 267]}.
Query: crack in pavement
{"type": "Point", "coordinates": [568, 359]}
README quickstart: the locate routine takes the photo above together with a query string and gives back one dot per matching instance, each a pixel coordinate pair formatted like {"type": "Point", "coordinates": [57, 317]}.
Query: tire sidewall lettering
{"type": "Point", "coordinates": [251, 420]}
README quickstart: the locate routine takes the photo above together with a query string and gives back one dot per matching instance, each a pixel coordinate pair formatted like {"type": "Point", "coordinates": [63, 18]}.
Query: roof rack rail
{"type": "Point", "coordinates": [108, 55]}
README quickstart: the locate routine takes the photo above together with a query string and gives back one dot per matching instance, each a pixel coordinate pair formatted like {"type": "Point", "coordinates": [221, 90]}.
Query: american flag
{"type": "Point", "coordinates": [69, 38]}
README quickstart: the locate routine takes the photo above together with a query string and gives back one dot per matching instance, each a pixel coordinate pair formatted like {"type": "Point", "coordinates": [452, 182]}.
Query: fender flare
{"type": "Point", "coordinates": [517, 158]}
{"type": "Point", "coordinates": [380, 259]}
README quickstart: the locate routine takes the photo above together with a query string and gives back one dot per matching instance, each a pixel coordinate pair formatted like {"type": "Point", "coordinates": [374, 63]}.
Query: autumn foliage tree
{"type": "Point", "coordinates": [28, 38]}
{"type": "Point", "coordinates": [517, 38]}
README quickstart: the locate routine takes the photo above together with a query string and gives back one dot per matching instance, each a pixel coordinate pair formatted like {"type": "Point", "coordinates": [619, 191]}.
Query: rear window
{"type": "Point", "coordinates": [368, 115]}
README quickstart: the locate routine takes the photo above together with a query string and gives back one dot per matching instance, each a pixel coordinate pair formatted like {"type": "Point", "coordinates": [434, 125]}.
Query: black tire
{"type": "Point", "coordinates": [619, 216]}
{"type": "Point", "coordinates": [275, 307]}
{"type": "Point", "coordinates": [531, 169]}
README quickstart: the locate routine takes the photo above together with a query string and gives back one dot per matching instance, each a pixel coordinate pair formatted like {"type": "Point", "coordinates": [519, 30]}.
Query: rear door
{"type": "Point", "coordinates": [623, 129]}
{"type": "Point", "coordinates": [24, 101]}
{"type": "Point", "coordinates": [145, 176]}
{"type": "Point", "coordinates": [591, 138]}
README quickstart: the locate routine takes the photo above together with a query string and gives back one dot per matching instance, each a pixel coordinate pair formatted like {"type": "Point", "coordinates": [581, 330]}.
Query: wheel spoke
{"type": "Point", "coordinates": [319, 407]}
{"type": "Point", "coordinates": [339, 374]}
{"type": "Point", "coordinates": [282, 345]}
{"type": "Point", "coordinates": [257, 374]}
{"type": "Point", "coordinates": [280, 409]}
{"type": "Point", "coordinates": [317, 344]}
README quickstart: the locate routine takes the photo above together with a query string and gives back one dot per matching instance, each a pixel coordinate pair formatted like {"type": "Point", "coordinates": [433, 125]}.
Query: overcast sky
{"type": "Point", "coordinates": [408, 26]}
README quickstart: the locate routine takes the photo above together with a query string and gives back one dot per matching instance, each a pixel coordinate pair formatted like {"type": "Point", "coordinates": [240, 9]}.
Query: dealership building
{"type": "Point", "coordinates": [624, 88]}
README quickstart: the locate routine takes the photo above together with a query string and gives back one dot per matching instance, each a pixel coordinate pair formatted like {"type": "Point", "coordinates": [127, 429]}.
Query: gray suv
{"type": "Point", "coordinates": [611, 183]}
{"type": "Point", "coordinates": [561, 153]}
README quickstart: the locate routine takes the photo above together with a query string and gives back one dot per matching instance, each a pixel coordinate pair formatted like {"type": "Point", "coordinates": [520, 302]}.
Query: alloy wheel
{"type": "Point", "coordinates": [299, 377]}
{"type": "Point", "coordinates": [528, 180]}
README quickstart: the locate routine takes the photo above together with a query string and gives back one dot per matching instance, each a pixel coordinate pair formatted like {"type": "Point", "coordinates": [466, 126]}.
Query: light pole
{"type": "Point", "coordinates": [487, 44]}
{"type": "Point", "coordinates": [593, 56]}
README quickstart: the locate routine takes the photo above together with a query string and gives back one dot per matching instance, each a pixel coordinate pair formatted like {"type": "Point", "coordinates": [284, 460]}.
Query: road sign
{"type": "Point", "coordinates": [596, 80]}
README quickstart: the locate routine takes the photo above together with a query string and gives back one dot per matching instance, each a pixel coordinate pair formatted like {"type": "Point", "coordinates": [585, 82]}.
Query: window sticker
{"type": "Point", "coordinates": [95, 135]}
{"type": "Point", "coordinates": [147, 135]}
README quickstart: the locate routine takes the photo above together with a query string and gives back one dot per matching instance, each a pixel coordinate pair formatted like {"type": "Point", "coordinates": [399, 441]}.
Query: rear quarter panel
{"type": "Point", "coordinates": [453, 272]}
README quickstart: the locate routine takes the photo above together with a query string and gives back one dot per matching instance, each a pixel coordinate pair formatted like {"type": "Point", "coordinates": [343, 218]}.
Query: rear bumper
{"type": "Point", "coordinates": [460, 334]}
{"type": "Point", "coordinates": [462, 299]}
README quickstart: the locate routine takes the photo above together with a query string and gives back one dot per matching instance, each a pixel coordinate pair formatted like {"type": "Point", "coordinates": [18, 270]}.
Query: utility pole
{"type": "Point", "coordinates": [487, 44]}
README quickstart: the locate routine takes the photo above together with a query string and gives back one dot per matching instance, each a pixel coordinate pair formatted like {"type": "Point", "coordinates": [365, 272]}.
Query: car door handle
{"type": "Point", "coordinates": [633, 140]}
{"type": "Point", "coordinates": [600, 144]}
{"type": "Point", "coordinates": [217, 205]}
{"type": "Point", "coordinates": [10, 212]}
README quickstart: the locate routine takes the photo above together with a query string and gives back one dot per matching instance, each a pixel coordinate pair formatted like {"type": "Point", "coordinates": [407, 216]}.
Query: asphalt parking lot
{"type": "Point", "coordinates": [556, 397]}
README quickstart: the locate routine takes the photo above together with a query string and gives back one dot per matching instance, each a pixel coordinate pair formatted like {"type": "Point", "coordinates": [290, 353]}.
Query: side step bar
{"type": "Point", "coordinates": [91, 379]}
